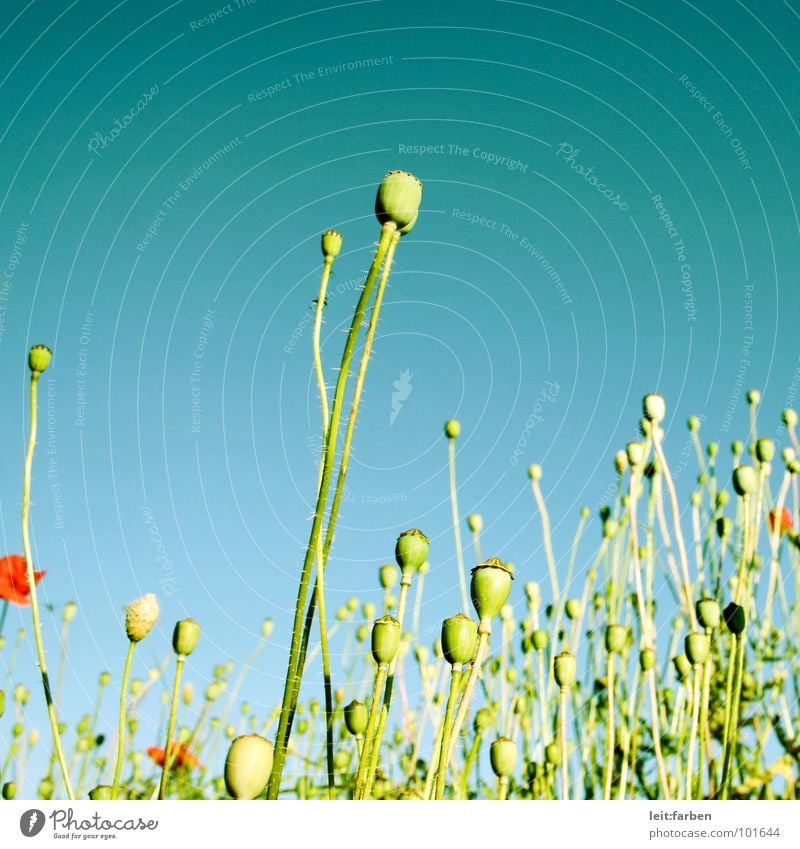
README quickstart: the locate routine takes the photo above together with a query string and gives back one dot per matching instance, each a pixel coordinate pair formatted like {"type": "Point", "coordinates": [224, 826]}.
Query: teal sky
{"type": "Point", "coordinates": [608, 210]}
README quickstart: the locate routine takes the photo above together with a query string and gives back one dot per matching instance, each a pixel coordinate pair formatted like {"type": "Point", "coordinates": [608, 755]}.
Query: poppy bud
{"type": "Point", "coordinates": [724, 527]}
{"type": "Point", "coordinates": [789, 418]}
{"type": "Point", "coordinates": [503, 756]}
{"type": "Point", "coordinates": [411, 550]}
{"type": "Point", "coordinates": [573, 608]}
{"type": "Point", "coordinates": [185, 637]}
{"type": "Point", "coordinates": [140, 617]}
{"type": "Point", "coordinates": [459, 639]}
{"type": "Point", "coordinates": [362, 632]}
{"type": "Point", "coordinates": [213, 691]}
{"type": "Point", "coordinates": [39, 358]}
{"type": "Point", "coordinates": [722, 498]}
{"type": "Point", "coordinates": [9, 790]}
{"type": "Point", "coordinates": [483, 720]}
{"type": "Point", "coordinates": [564, 669]}
{"type": "Point", "coordinates": [616, 637]}
{"type": "Point", "coordinates": [708, 612]}
{"type": "Point", "coordinates": [553, 754]}
{"type": "Point", "coordinates": [654, 406]}
{"type": "Point", "coordinates": [101, 793]}
{"type": "Point", "coordinates": [331, 244]}
{"type": "Point", "coordinates": [610, 528]}
{"type": "Point", "coordinates": [341, 760]}
{"type": "Point", "coordinates": [70, 611]}
{"type": "Point", "coordinates": [535, 472]}
{"type": "Point", "coordinates": [452, 428]}
{"type": "Point", "coordinates": [385, 640]}
{"type": "Point", "coordinates": [533, 592]}
{"type": "Point", "coordinates": [765, 450]}
{"type": "Point", "coordinates": [267, 627]}
{"type": "Point", "coordinates": [735, 618]}
{"type": "Point", "coordinates": [647, 659]}
{"type": "Point", "coordinates": [248, 766]}
{"type": "Point", "coordinates": [745, 480]}
{"type": "Point", "coordinates": [693, 423]}
{"type": "Point", "coordinates": [682, 666]}
{"type": "Point", "coordinates": [753, 397]}
{"type": "Point", "coordinates": [398, 199]}
{"type": "Point", "coordinates": [490, 587]}
{"type": "Point", "coordinates": [475, 522]}
{"type": "Point", "coordinates": [356, 717]}
{"type": "Point", "coordinates": [635, 451]}
{"type": "Point", "coordinates": [696, 646]}
{"type": "Point", "coordinates": [620, 462]}
{"type": "Point", "coordinates": [388, 576]}
{"type": "Point", "coordinates": [540, 639]}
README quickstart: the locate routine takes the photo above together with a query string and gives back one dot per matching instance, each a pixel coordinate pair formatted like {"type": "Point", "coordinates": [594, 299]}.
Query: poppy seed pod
{"type": "Point", "coordinates": [789, 417]}
{"type": "Point", "coordinates": [753, 397]}
{"type": "Point", "coordinates": [535, 472]}
{"type": "Point", "coordinates": [564, 669]}
{"type": "Point", "coordinates": [459, 639]}
{"type": "Point", "coordinates": [9, 790]}
{"type": "Point", "coordinates": [503, 756]}
{"type": "Point", "coordinates": [490, 587]}
{"type": "Point", "coordinates": [620, 462]}
{"type": "Point", "coordinates": [682, 666]}
{"type": "Point", "coordinates": [647, 659]}
{"type": "Point", "coordinates": [693, 423]}
{"type": "Point", "coordinates": [735, 618]}
{"type": "Point", "coordinates": [248, 766]}
{"type": "Point", "coordinates": [610, 528]}
{"type": "Point", "coordinates": [654, 407]}
{"type": "Point", "coordinates": [696, 646]}
{"type": "Point", "coordinates": [140, 617]}
{"type": "Point", "coordinates": [765, 450]}
{"type": "Point", "coordinates": [398, 199]}
{"type": "Point", "coordinates": [745, 480]}
{"type": "Point", "coordinates": [724, 527]}
{"type": "Point", "coordinates": [475, 522]}
{"type": "Point", "coordinates": [573, 608]}
{"type": "Point", "coordinates": [387, 575]}
{"type": "Point", "coordinates": [362, 632]}
{"type": "Point", "coordinates": [185, 637]}
{"type": "Point", "coordinates": [540, 639]}
{"type": "Point", "coordinates": [70, 611]}
{"type": "Point", "coordinates": [482, 721]}
{"type": "Point", "coordinates": [411, 550]}
{"type": "Point", "coordinates": [708, 612]}
{"type": "Point", "coordinates": [39, 358]}
{"type": "Point", "coordinates": [452, 429]}
{"type": "Point", "coordinates": [385, 640]}
{"type": "Point", "coordinates": [553, 754]}
{"type": "Point", "coordinates": [533, 593]}
{"type": "Point", "coordinates": [635, 452]}
{"type": "Point", "coordinates": [101, 793]}
{"type": "Point", "coordinates": [331, 244]}
{"type": "Point", "coordinates": [616, 638]}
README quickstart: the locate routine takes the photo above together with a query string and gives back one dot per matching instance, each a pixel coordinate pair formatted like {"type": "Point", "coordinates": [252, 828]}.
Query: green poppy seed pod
{"type": "Point", "coordinates": [475, 522]}
{"type": "Point", "coordinates": [645, 427]}
{"type": "Point", "coordinates": [452, 429]}
{"type": "Point", "coordinates": [369, 609]}
{"type": "Point", "coordinates": [46, 788]}
{"type": "Point", "coordinates": [724, 527]}
{"type": "Point", "coordinates": [503, 756]}
{"type": "Point", "coordinates": [745, 480]}
{"type": "Point", "coordinates": [696, 646]}
{"type": "Point", "coordinates": [267, 627]}
{"type": "Point", "coordinates": [101, 793]}
{"type": "Point", "coordinates": [789, 417]}
{"type": "Point", "coordinates": [398, 199]}
{"type": "Point", "coordinates": [610, 528]}
{"type": "Point", "coordinates": [620, 462]}
{"type": "Point", "coordinates": [540, 639]}
{"type": "Point", "coordinates": [765, 449]}
{"type": "Point", "coordinates": [693, 423]}
{"type": "Point", "coordinates": [248, 766]}
{"type": "Point", "coordinates": [185, 637]}
{"type": "Point", "coordinates": [573, 608]}
{"type": "Point", "coordinates": [188, 693]}
{"type": "Point", "coordinates": [722, 498]}
{"type": "Point", "coordinates": [352, 604]}
{"type": "Point", "coordinates": [385, 640]}
{"type": "Point", "coordinates": [654, 407]}
{"type": "Point", "coordinates": [331, 244]}
{"type": "Point", "coordinates": [213, 691]}
{"type": "Point", "coordinates": [341, 614]}
{"type": "Point", "coordinates": [21, 694]}
{"type": "Point", "coordinates": [341, 760]}
{"type": "Point", "coordinates": [421, 654]}
{"type": "Point", "coordinates": [140, 617]}
{"type": "Point", "coordinates": [9, 790]}
{"type": "Point", "coordinates": [788, 455]}
{"type": "Point", "coordinates": [735, 618]}
{"type": "Point", "coordinates": [616, 638]}
{"type": "Point", "coordinates": [356, 717]}
{"type": "Point", "coordinates": [753, 397]}
{"type": "Point", "coordinates": [459, 635]}
{"type": "Point", "coordinates": [535, 472]}
{"type": "Point", "coordinates": [362, 632]}
{"type": "Point", "coordinates": [682, 666]}
{"type": "Point", "coordinates": [647, 659]}
{"type": "Point", "coordinates": [483, 720]}
{"type": "Point", "coordinates": [302, 727]}
{"type": "Point", "coordinates": [564, 669]}
{"type": "Point", "coordinates": [533, 593]}
{"type": "Point", "coordinates": [712, 449]}
{"type": "Point", "coordinates": [387, 575]}
{"type": "Point", "coordinates": [411, 550]}
{"type": "Point", "coordinates": [696, 499]}
{"type": "Point", "coordinates": [635, 452]}
{"type": "Point", "coordinates": [70, 611]}
{"type": "Point", "coordinates": [39, 358]}
{"type": "Point", "coordinates": [490, 587]}
{"type": "Point", "coordinates": [708, 612]}
{"type": "Point", "coordinates": [553, 754]}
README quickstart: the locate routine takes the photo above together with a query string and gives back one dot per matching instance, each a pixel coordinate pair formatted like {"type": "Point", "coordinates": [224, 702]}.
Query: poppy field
{"type": "Point", "coordinates": [663, 663]}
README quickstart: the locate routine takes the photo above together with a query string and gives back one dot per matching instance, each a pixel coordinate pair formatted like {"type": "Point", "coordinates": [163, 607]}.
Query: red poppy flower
{"type": "Point", "coordinates": [181, 756]}
{"type": "Point", "coordinates": [786, 520]}
{"type": "Point", "coordinates": [14, 584]}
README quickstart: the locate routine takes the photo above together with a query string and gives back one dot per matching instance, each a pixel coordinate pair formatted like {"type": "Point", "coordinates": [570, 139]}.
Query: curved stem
{"type": "Point", "coordinates": [294, 671]}
{"type": "Point", "coordinates": [462, 581]}
{"type": "Point", "coordinates": [37, 626]}
{"type": "Point", "coordinates": [610, 730]}
{"type": "Point", "coordinates": [562, 736]}
{"type": "Point", "coordinates": [371, 732]}
{"type": "Point", "coordinates": [698, 674]}
{"type": "Point", "coordinates": [173, 715]}
{"type": "Point", "coordinates": [441, 775]}
{"type": "Point", "coordinates": [733, 725]}
{"type": "Point", "coordinates": [123, 707]}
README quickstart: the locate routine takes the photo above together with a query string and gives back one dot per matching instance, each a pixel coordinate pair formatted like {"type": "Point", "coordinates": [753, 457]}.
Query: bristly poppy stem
{"type": "Point", "coordinates": [294, 671]}
{"type": "Point", "coordinates": [37, 626]}
{"type": "Point", "coordinates": [123, 709]}
{"type": "Point", "coordinates": [173, 715]}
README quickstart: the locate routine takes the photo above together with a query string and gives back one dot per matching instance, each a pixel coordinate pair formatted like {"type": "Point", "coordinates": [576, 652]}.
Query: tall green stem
{"type": "Point", "coordinates": [610, 730]}
{"type": "Point", "coordinates": [562, 736]}
{"type": "Point", "coordinates": [37, 626]}
{"type": "Point", "coordinates": [462, 581]}
{"type": "Point", "coordinates": [173, 715]}
{"type": "Point", "coordinates": [123, 709]}
{"type": "Point", "coordinates": [455, 683]}
{"type": "Point", "coordinates": [484, 630]}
